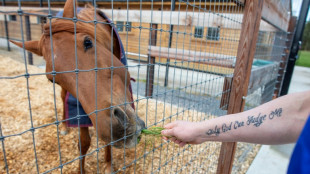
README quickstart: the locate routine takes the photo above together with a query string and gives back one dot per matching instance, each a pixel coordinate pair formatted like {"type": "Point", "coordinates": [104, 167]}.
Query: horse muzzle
{"type": "Point", "coordinates": [127, 131]}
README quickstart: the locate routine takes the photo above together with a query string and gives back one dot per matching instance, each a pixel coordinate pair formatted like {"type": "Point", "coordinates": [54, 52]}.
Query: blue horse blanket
{"type": "Point", "coordinates": [75, 114]}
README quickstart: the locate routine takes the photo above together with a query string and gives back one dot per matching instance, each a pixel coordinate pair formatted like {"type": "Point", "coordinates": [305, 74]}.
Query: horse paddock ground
{"type": "Point", "coordinates": [150, 155]}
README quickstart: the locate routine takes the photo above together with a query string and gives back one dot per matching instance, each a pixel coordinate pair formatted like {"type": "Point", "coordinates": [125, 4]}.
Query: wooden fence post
{"type": "Point", "coordinates": [242, 72]}
{"type": "Point", "coordinates": [169, 46]}
{"type": "Point", "coordinates": [7, 32]}
{"type": "Point", "coordinates": [6, 28]}
{"type": "Point", "coordinates": [28, 37]}
{"type": "Point", "coordinates": [151, 64]}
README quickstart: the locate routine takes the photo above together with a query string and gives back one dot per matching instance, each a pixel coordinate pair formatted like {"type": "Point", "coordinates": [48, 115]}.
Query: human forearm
{"type": "Point", "coordinates": [266, 127]}
{"type": "Point", "coordinates": [276, 122]}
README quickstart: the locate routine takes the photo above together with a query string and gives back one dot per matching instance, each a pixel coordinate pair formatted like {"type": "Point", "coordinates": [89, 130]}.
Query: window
{"type": "Point", "coordinates": [213, 33]}
{"type": "Point", "coordinates": [12, 17]}
{"type": "Point", "coordinates": [121, 24]}
{"type": "Point", "coordinates": [198, 32]}
{"type": "Point", "coordinates": [41, 20]}
{"type": "Point", "coordinates": [128, 26]}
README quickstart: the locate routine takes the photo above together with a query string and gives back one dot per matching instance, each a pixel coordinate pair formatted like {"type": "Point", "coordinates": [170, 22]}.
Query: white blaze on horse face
{"type": "Point", "coordinates": [54, 51]}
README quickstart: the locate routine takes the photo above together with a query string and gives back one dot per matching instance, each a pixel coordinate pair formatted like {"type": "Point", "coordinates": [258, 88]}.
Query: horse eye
{"type": "Point", "coordinates": [87, 43]}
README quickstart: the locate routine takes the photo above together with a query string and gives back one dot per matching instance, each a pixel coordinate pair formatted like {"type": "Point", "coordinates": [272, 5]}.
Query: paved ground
{"type": "Point", "coordinates": [275, 159]}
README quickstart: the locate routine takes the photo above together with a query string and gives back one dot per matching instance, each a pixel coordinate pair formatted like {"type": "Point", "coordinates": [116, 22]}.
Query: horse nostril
{"type": "Point", "coordinates": [121, 116]}
{"type": "Point", "coordinates": [143, 125]}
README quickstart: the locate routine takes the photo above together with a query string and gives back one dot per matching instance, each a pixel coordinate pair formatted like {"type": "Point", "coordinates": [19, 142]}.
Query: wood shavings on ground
{"type": "Point", "coordinates": [35, 151]}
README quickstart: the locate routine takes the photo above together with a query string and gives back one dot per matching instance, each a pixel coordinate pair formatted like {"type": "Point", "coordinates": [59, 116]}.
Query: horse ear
{"type": "Point", "coordinates": [69, 8]}
{"type": "Point", "coordinates": [32, 46]}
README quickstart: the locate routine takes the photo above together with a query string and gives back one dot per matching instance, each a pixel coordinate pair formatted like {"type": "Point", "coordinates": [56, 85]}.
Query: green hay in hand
{"type": "Point", "coordinates": [153, 131]}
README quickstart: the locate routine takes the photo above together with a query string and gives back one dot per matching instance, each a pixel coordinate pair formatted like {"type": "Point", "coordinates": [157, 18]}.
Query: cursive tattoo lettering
{"type": "Point", "coordinates": [226, 128]}
{"type": "Point", "coordinates": [256, 121]}
{"type": "Point", "coordinates": [215, 131]}
{"type": "Point", "coordinates": [277, 112]}
{"type": "Point", "coordinates": [238, 124]}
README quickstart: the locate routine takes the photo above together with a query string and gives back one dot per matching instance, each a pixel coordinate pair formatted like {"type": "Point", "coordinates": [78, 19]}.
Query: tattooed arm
{"type": "Point", "coordinates": [279, 121]}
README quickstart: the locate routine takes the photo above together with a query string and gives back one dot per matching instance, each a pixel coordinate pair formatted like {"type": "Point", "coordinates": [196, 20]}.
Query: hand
{"type": "Point", "coordinates": [182, 132]}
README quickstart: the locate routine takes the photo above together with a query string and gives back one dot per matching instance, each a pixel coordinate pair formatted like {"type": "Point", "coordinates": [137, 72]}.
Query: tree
{"type": "Point", "coordinates": [306, 37]}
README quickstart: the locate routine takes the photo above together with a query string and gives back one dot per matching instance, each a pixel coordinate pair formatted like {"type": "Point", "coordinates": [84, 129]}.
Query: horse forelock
{"type": "Point", "coordinates": [103, 35]}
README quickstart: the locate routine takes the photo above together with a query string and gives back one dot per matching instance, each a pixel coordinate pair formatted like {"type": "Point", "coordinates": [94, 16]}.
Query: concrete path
{"type": "Point", "coordinates": [275, 159]}
{"type": "Point", "coordinates": [300, 80]}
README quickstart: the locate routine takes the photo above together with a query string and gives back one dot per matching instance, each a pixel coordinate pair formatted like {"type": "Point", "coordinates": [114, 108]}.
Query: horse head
{"type": "Point", "coordinates": [83, 58]}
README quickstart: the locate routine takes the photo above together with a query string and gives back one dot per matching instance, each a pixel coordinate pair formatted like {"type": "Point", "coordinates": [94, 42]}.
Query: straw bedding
{"type": "Point", "coordinates": [150, 155]}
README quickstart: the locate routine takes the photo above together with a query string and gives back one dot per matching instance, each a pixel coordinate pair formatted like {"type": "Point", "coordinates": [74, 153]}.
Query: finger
{"type": "Point", "coordinates": [165, 138]}
{"type": "Point", "coordinates": [173, 139]}
{"type": "Point", "coordinates": [170, 125]}
{"type": "Point", "coordinates": [182, 144]}
{"type": "Point", "coordinates": [178, 141]}
{"type": "Point", "coordinates": [167, 132]}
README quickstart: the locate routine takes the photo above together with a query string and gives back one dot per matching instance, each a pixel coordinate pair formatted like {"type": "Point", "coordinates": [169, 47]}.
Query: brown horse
{"type": "Point", "coordinates": [111, 76]}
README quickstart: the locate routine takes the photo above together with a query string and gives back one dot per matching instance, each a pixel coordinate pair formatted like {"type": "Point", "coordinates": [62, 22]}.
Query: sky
{"type": "Point", "coordinates": [296, 8]}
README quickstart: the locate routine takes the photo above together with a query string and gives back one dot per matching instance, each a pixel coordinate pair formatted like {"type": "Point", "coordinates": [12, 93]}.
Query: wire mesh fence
{"type": "Point", "coordinates": [167, 61]}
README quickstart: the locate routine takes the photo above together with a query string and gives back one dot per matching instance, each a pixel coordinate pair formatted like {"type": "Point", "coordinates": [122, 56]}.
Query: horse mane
{"type": "Point", "coordinates": [103, 35]}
